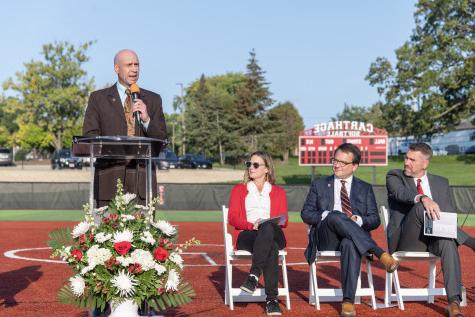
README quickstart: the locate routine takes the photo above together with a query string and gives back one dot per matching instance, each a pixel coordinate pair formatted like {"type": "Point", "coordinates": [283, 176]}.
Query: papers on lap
{"type": "Point", "coordinates": [445, 227]}
{"type": "Point", "coordinates": [279, 220]}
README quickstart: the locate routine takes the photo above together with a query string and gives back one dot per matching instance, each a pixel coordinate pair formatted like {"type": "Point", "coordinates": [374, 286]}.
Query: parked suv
{"type": "Point", "coordinates": [167, 159]}
{"type": "Point", "coordinates": [6, 157]}
{"type": "Point", "coordinates": [62, 159]}
{"type": "Point", "coordinates": [195, 161]}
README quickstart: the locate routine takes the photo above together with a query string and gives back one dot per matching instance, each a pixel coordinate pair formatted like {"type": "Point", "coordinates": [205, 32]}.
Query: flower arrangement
{"type": "Point", "coordinates": [120, 253]}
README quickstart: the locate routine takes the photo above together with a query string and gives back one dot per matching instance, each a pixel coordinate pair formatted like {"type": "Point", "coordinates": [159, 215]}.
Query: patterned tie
{"type": "Point", "coordinates": [129, 116]}
{"type": "Point", "coordinates": [345, 201]}
{"type": "Point", "coordinates": [419, 186]}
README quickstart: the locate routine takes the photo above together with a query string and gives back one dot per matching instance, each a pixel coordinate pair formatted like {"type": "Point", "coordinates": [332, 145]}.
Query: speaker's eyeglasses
{"type": "Point", "coordinates": [256, 165]}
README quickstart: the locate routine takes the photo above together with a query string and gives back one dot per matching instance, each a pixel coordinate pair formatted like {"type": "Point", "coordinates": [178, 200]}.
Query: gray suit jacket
{"type": "Point", "coordinates": [401, 193]}
{"type": "Point", "coordinates": [321, 198]}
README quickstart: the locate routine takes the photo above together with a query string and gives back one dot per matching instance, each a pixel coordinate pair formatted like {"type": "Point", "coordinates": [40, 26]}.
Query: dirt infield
{"type": "Point", "coordinates": [28, 287]}
{"type": "Point", "coordinates": [44, 173]}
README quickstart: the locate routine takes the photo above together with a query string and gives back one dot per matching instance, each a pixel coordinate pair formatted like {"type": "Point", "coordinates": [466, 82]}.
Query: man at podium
{"type": "Point", "coordinates": [110, 112]}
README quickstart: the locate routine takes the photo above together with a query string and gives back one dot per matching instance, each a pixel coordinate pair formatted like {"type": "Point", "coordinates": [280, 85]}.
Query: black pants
{"type": "Point", "coordinates": [337, 232]}
{"type": "Point", "coordinates": [264, 244]}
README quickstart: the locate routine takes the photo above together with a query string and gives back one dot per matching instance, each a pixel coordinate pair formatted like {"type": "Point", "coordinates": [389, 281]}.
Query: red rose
{"type": "Point", "coordinates": [111, 263]}
{"type": "Point", "coordinates": [122, 247]}
{"type": "Point", "coordinates": [160, 254]}
{"type": "Point", "coordinates": [77, 255]}
{"type": "Point", "coordinates": [114, 217]}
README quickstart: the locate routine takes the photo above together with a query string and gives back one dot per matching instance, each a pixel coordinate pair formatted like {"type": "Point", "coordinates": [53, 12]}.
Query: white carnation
{"type": "Point", "coordinates": [147, 237]}
{"type": "Point", "coordinates": [173, 280]}
{"type": "Point", "coordinates": [165, 227]}
{"type": "Point", "coordinates": [101, 237]}
{"type": "Point", "coordinates": [177, 259]}
{"type": "Point", "coordinates": [144, 258]}
{"type": "Point", "coordinates": [125, 235]}
{"type": "Point", "coordinates": [124, 261]}
{"type": "Point", "coordinates": [127, 217]}
{"type": "Point", "coordinates": [97, 256]}
{"type": "Point", "coordinates": [77, 285]}
{"type": "Point", "coordinates": [159, 268]}
{"type": "Point", "coordinates": [87, 269]}
{"type": "Point", "coordinates": [124, 283]}
{"type": "Point", "coordinates": [80, 229]}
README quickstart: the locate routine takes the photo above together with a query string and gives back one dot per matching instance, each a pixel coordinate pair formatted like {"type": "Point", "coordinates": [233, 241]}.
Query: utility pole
{"type": "Point", "coordinates": [183, 133]}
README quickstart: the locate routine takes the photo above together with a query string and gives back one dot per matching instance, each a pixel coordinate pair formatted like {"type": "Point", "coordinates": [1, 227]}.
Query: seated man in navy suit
{"type": "Point", "coordinates": [341, 210]}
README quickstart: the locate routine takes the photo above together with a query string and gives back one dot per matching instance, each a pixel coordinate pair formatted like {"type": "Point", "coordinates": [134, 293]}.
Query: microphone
{"type": "Point", "coordinates": [135, 94]}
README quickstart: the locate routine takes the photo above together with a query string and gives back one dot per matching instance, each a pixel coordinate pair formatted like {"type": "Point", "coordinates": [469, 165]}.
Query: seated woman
{"type": "Point", "coordinates": [257, 199]}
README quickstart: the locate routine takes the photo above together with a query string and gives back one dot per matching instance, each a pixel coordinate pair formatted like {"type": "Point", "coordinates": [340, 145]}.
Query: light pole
{"type": "Point", "coordinates": [183, 126]}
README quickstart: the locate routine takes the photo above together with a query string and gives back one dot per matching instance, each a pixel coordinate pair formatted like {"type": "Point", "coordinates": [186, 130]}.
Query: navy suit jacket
{"type": "Point", "coordinates": [321, 198]}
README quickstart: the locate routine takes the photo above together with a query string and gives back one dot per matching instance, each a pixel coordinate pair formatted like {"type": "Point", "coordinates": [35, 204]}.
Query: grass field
{"type": "Point", "coordinates": [177, 216]}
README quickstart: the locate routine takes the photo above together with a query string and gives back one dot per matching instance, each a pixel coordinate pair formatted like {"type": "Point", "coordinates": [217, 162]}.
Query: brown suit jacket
{"type": "Point", "coordinates": [105, 117]}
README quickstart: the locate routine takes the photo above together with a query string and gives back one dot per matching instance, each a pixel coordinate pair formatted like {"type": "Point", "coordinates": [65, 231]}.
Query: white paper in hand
{"type": "Point", "coordinates": [445, 227]}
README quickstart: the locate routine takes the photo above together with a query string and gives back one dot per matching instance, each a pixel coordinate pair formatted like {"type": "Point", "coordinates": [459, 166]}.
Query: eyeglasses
{"type": "Point", "coordinates": [256, 165]}
{"type": "Point", "coordinates": [336, 162]}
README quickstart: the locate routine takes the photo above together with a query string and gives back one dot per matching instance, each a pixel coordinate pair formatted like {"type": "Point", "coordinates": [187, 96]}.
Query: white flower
{"type": "Point", "coordinates": [65, 253]}
{"type": "Point", "coordinates": [80, 229]}
{"type": "Point", "coordinates": [77, 285]}
{"type": "Point", "coordinates": [140, 207]}
{"type": "Point", "coordinates": [147, 237]}
{"type": "Point", "coordinates": [159, 268]}
{"type": "Point", "coordinates": [177, 259]}
{"type": "Point", "coordinates": [165, 227]}
{"type": "Point", "coordinates": [124, 261]}
{"type": "Point", "coordinates": [128, 198]}
{"type": "Point", "coordinates": [101, 210]}
{"type": "Point", "coordinates": [101, 237]}
{"type": "Point", "coordinates": [87, 269]}
{"type": "Point", "coordinates": [144, 258]}
{"type": "Point", "coordinates": [173, 280]}
{"type": "Point", "coordinates": [97, 256]}
{"type": "Point", "coordinates": [124, 283]}
{"type": "Point", "coordinates": [127, 217]}
{"type": "Point", "coordinates": [125, 235]}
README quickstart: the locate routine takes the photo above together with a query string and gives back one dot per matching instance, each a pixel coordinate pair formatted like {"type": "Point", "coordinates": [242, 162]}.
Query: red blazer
{"type": "Point", "coordinates": [237, 209]}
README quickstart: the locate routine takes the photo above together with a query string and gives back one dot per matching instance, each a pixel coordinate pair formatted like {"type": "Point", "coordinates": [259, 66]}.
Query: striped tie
{"type": "Point", "coordinates": [345, 201]}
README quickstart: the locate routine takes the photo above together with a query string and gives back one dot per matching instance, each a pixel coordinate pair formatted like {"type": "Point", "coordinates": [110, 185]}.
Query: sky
{"type": "Point", "coordinates": [316, 54]}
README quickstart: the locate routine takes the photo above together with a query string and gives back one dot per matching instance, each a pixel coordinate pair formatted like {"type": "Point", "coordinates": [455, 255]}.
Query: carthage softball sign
{"type": "Point", "coordinates": [317, 145]}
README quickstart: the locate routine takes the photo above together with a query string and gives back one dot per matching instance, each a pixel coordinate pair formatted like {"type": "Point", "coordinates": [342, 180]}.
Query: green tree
{"type": "Point", "coordinates": [285, 125]}
{"type": "Point", "coordinates": [253, 99]}
{"type": "Point", "coordinates": [52, 93]}
{"type": "Point", "coordinates": [432, 86]}
{"type": "Point", "coordinates": [372, 114]}
{"type": "Point", "coordinates": [8, 125]}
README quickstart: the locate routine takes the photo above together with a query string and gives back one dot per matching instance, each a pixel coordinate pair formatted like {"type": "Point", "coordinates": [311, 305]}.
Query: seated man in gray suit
{"type": "Point", "coordinates": [341, 210]}
{"type": "Point", "coordinates": [411, 193]}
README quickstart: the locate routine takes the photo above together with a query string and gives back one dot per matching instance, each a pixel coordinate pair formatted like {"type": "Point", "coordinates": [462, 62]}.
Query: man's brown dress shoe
{"type": "Point", "coordinates": [390, 264]}
{"type": "Point", "coordinates": [348, 310]}
{"type": "Point", "coordinates": [453, 310]}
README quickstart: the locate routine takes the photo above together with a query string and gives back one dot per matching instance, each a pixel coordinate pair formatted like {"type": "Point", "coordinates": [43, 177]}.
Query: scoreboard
{"type": "Point", "coordinates": [318, 147]}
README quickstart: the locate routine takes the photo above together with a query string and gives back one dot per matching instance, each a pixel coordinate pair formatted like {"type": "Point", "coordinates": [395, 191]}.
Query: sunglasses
{"type": "Point", "coordinates": [253, 164]}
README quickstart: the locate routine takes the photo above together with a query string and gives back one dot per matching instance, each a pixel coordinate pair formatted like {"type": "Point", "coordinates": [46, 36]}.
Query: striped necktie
{"type": "Point", "coordinates": [129, 116]}
{"type": "Point", "coordinates": [345, 200]}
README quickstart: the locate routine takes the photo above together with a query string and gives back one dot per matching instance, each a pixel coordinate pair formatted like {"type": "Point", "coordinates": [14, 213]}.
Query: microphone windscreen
{"type": "Point", "coordinates": [134, 88]}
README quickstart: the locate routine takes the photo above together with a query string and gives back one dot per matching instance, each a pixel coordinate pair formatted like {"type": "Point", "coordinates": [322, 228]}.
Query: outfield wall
{"type": "Point", "coordinates": [177, 196]}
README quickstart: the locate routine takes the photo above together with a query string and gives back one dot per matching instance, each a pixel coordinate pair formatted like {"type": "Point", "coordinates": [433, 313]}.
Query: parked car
{"type": "Point", "coordinates": [6, 157]}
{"type": "Point", "coordinates": [470, 150]}
{"type": "Point", "coordinates": [62, 159]}
{"type": "Point", "coordinates": [195, 161]}
{"type": "Point", "coordinates": [167, 159]}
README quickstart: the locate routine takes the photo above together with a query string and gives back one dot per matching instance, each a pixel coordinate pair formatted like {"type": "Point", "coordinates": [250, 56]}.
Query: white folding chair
{"type": "Point", "coordinates": [410, 294]}
{"type": "Point", "coordinates": [235, 294]}
{"type": "Point", "coordinates": [317, 295]}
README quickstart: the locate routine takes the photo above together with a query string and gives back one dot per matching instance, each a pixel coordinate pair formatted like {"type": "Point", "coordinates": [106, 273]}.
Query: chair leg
{"type": "Point", "coordinates": [314, 285]}
{"type": "Point", "coordinates": [358, 286]}
{"type": "Point", "coordinates": [285, 282]}
{"type": "Point", "coordinates": [229, 284]}
{"type": "Point", "coordinates": [432, 273]}
{"type": "Point", "coordinates": [369, 272]}
{"type": "Point", "coordinates": [388, 289]}
{"type": "Point", "coordinates": [397, 287]}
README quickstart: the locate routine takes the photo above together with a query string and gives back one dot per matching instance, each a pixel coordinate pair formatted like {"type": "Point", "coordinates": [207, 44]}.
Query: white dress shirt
{"type": "Point", "coordinates": [122, 94]}
{"type": "Point", "coordinates": [337, 199]}
{"type": "Point", "coordinates": [425, 187]}
{"type": "Point", "coordinates": [257, 203]}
